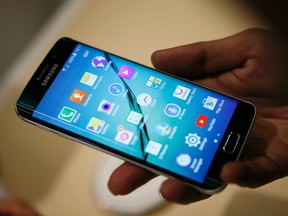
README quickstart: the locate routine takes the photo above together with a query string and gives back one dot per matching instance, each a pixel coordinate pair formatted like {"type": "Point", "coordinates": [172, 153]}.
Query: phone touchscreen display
{"type": "Point", "coordinates": [124, 106]}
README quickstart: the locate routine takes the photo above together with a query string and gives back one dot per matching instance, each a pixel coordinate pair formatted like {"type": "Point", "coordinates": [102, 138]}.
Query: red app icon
{"type": "Point", "coordinates": [201, 121]}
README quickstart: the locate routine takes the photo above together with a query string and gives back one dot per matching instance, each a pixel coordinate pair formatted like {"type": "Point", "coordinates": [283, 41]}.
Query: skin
{"type": "Point", "coordinates": [16, 208]}
{"type": "Point", "coordinates": [252, 65]}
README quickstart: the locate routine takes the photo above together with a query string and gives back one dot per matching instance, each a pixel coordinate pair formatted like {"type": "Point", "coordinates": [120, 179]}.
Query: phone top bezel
{"type": "Point", "coordinates": [244, 115]}
{"type": "Point", "coordinates": [58, 55]}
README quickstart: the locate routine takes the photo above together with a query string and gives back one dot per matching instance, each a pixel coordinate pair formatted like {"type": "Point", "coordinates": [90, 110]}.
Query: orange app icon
{"type": "Point", "coordinates": [78, 96]}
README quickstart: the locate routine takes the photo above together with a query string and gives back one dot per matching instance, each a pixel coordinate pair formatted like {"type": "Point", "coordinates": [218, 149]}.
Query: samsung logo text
{"type": "Point", "coordinates": [49, 75]}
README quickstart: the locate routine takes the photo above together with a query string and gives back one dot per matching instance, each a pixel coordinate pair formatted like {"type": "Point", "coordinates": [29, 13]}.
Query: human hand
{"type": "Point", "coordinates": [16, 208]}
{"type": "Point", "coordinates": [252, 65]}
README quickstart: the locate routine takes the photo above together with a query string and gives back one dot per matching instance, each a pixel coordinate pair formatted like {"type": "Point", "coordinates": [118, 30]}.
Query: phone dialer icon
{"type": "Point", "coordinates": [67, 114]}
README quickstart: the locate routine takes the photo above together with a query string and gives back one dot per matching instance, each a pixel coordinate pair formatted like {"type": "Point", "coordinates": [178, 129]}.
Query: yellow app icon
{"type": "Point", "coordinates": [158, 81]}
{"type": "Point", "coordinates": [95, 125]}
{"type": "Point", "coordinates": [152, 78]}
{"type": "Point", "coordinates": [89, 79]}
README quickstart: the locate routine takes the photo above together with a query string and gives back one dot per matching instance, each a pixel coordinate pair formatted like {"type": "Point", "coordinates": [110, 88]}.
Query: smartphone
{"type": "Point", "coordinates": [158, 121]}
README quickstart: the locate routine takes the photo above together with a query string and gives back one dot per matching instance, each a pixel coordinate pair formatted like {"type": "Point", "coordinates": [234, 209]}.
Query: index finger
{"type": "Point", "coordinates": [205, 58]}
{"type": "Point", "coordinates": [128, 177]}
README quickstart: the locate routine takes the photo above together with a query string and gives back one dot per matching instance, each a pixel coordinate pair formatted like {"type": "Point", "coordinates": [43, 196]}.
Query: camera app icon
{"type": "Point", "coordinates": [106, 107]}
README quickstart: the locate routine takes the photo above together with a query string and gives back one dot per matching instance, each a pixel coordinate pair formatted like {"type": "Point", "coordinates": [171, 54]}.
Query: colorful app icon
{"type": "Point", "coordinates": [95, 125]}
{"type": "Point", "coordinates": [153, 82]}
{"type": "Point", "coordinates": [163, 129]}
{"type": "Point", "coordinates": [210, 103]}
{"type": "Point", "coordinates": [99, 62]}
{"type": "Point", "coordinates": [124, 136]}
{"type": "Point", "coordinates": [181, 92]}
{"type": "Point", "coordinates": [78, 96]}
{"type": "Point", "coordinates": [201, 121]}
{"type": "Point", "coordinates": [153, 148]}
{"type": "Point", "coordinates": [126, 72]}
{"type": "Point", "coordinates": [89, 79]}
{"type": "Point", "coordinates": [172, 110]}
{"type": "Point", "coordinates": [192, 140]}
{"type": "Point", "coordinates": [106, 107]}
{"type": "Point", "coordinates": [183, 160]}
{"type": "Point", "coordinates": [67, 114]}
{"type": "Point", "coordinates": [116, 89]}
{"type": "Point", "coordinates": [144, 99]}
{"type": "Point", "coordinates": [134, 117]}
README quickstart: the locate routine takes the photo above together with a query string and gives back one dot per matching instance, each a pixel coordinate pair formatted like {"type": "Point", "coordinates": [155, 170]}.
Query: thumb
{"type": "Point", "coordinates": [253, 173]}
{"type": "Point", "coordinates": [205, 58]}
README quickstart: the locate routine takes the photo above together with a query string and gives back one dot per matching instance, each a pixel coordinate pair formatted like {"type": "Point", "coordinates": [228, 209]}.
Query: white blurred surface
{"type": "Point", "coordinates": [140, 202]}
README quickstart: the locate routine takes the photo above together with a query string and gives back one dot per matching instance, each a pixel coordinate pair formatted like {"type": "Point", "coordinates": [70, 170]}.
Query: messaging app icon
{"type": "Point", "coordinates": [89, 79]}
{"type": "Point", "coordinates": [95, 125]}
{"type": "Point", "coordinates": [67, 114]}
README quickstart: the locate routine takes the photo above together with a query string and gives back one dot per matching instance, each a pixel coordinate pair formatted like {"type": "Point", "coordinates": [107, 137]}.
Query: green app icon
{"type": "Point", "coordinates": [67, 114]}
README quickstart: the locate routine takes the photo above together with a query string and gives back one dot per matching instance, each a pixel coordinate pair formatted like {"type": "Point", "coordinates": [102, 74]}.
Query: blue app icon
{"type": "Point", "coordinates": [172, 110]}
{"type": "Point", "coordinates": [116, 89]}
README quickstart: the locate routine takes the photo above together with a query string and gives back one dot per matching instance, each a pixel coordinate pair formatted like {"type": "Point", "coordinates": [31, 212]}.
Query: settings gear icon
{"type": "Point", "coordinates": [192, 140]}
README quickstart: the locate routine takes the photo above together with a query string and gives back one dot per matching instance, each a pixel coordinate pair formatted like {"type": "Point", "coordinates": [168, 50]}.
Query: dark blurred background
{"type": "Point", "coordinates": [20, 20]}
